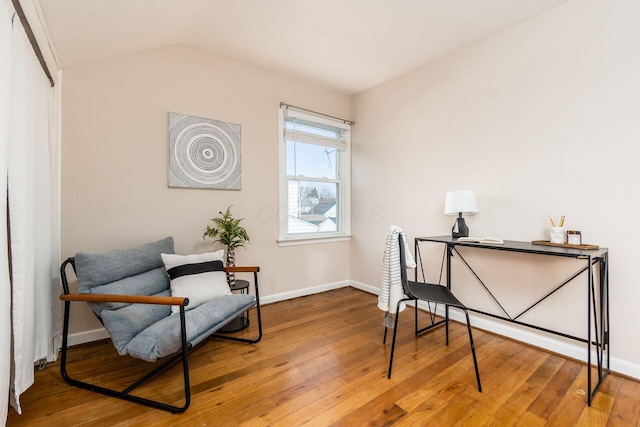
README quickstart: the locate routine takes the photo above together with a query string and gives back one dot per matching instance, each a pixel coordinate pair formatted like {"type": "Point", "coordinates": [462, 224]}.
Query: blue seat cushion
{"type": "Point", "coordinates": [163, 337]}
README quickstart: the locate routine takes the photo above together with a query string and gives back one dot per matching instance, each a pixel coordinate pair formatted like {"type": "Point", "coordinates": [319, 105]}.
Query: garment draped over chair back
{"type": "Point", "coordinates": [391, 282]}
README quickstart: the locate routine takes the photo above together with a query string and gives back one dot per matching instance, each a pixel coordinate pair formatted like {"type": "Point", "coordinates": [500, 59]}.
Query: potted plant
{"type": "Point", "coordinates": [227, 230]}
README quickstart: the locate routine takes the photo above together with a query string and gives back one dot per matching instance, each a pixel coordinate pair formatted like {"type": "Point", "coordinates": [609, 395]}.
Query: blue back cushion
{"type": "Point", "coordinates": [102, 268]}
{"type": "Point", "coordinates": [137, 271]}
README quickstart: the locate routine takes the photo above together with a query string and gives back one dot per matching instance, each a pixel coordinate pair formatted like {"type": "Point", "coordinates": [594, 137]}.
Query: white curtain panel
{"type": "Point", "coordinates": [31, 172]}
{"type": "Point", "coordinates": [6, 12]}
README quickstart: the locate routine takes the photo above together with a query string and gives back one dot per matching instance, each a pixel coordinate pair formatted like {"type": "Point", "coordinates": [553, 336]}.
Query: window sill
{"type": "Point", "coordinates": [312, 240]}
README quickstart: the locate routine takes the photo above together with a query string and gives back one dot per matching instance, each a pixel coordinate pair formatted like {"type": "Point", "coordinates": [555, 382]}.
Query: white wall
{"type": "Point", "coordinates": [115, 157]}
{"type": "Point", "coordinates": [539, 119]}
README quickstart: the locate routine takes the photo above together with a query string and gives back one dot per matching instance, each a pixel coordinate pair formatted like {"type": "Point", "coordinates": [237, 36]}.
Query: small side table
{"type": "Point", "coordinates": [242, 321]}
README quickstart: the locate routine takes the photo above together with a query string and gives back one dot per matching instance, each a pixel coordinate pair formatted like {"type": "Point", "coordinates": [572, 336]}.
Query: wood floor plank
{"type": "Point", "coordinates": [509, 374]}
{"type": "Point", "coordinates": [322, 362]}
{"type": "Point", "coordinates": [517, 403]}
{"type": "Point", "coordinates": [572, 403]}
{"type": "Point", "coordinates": [529, 419]}
{"type": "Point", "coordinates": [547, 403]}
{"type": "Point", "coordinates": [598, 413]}
{"type": "Point", "coordinates": [626, 408]}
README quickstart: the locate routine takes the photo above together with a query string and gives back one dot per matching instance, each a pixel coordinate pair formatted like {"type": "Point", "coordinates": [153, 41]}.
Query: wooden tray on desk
{"type": "Point", "coordinates": [564, 245]}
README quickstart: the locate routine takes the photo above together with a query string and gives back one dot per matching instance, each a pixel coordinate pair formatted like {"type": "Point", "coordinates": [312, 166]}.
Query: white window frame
{"type": "Point", "coordinates": [343, 231]}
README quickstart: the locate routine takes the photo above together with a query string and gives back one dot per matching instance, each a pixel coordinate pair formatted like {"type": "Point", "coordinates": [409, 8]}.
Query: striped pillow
{"type": "Point", "coordinates": [199, 277]}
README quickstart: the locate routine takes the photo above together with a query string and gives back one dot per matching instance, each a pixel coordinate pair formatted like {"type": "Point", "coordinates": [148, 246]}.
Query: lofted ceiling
{"type": "Point", "coordinates": [347, 45]}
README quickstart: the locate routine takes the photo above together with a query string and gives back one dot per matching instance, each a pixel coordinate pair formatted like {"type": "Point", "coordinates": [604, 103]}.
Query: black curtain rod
{"type": "Point", "coordinates": [32, 39]}
{"type": "Point", "coordinates": [348, 122]}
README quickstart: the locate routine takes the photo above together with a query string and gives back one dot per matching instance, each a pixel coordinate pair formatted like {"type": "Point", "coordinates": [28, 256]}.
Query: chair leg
{"type": "Point", "coordinates": [446, 324]}
{"type": "Point", "coordinates": [125, 394]}
{"type": "Point", "coordinates": [388, 323]}
{"type": "Point", "coordinates": [473, 351]}
{"type": "Point", "coordinates": [258, 313]}
{"type": "Point", "coordinates": [245, 340]}
{"type": "Point", "coordinates": [393, 341]}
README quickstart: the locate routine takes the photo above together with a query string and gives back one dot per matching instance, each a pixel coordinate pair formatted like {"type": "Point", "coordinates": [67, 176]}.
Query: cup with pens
{"type": "Point", "coordinates": [557, 231]}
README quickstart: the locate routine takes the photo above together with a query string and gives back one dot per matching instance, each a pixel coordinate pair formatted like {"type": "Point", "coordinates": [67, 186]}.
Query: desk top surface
{"type": "Point", "coordinates": [518, 246]}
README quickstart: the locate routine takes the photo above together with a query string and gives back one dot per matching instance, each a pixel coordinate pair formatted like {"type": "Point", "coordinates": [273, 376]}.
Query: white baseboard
{"type": "Point", "coordinates": [303, 292]}
{"type": "Point", "coordinates": [87, 336]}
{"type": "Point", "coordinates": [526, 335]}
{"type": "Point", "coordinates": [367, 288]}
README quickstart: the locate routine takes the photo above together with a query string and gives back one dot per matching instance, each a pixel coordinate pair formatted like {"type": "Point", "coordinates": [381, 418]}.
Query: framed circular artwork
{"type": "Point", "coordinates": [204, 153]}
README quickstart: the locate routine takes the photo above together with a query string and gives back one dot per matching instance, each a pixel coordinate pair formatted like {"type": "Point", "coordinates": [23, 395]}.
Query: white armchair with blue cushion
{"type": "Point", "coordinates": [156, 305]}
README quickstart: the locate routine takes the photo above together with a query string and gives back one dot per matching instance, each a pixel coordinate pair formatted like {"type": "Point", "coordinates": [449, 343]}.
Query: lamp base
{"type": "Point", "coordinates": [463, 230]}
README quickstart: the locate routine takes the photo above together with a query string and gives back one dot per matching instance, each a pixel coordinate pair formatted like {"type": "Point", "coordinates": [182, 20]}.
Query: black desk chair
{"type": "Point", "coordinates": [438, 294]}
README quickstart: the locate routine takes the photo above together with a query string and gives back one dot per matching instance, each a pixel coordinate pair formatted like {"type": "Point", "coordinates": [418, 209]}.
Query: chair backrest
{"type": "Point", "coordinates": [137, 271]}
{"type": "Point", "coordinates": [403, 267]}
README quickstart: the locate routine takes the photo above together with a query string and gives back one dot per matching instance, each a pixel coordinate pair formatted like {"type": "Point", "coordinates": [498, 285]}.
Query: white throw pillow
{"type": "Point", "coordinates": [198, 277]}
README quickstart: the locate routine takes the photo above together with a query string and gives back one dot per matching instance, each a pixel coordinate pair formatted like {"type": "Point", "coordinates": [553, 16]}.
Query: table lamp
{"type": "Point", "coordinates": [457, 203]}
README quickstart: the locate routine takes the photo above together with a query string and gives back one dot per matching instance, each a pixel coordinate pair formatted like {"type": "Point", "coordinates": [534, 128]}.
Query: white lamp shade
{"type": "Point", "coordinates": [460, 201]}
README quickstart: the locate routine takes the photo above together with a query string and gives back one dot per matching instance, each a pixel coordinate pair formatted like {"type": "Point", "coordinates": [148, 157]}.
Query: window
{"type": "Point", "coordinates": [314, 177]}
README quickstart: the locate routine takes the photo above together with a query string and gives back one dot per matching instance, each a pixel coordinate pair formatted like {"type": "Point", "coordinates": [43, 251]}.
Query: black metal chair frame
{"type": "Point", "coordinates": [445, 297]}
{"type": "Point", "coordinates": [182, 354]}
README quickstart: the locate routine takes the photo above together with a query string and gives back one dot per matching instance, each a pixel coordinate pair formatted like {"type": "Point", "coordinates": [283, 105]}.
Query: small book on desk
{"type": "Point", "coordinates": [491, 240]}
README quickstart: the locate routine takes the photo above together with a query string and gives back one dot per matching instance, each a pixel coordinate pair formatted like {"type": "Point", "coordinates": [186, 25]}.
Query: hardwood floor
{"type": "Point", "coordinates": [321, 362]}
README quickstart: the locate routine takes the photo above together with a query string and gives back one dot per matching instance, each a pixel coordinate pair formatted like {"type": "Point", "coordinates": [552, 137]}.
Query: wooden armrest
{"type": "Point", "coordinates": [131, 299]}
{"type": "Point", "coordinates": [242, 269]}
